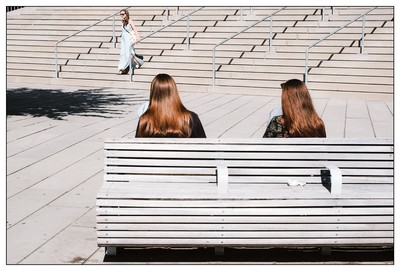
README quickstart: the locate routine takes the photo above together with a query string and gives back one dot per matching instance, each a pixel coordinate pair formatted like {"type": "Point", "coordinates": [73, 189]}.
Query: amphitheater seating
{"type": "Point", "coordinates": [243, 63]}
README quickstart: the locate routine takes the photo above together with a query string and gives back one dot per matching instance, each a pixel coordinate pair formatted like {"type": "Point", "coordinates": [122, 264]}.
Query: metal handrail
{"type": "Point", "coordinates": [334, 32]}
{"type": "Point", "coordinates": [240, 32]}
{"type": "Point", "coordinates": [158, 30]}
{"type": "Point", "coordinates": [173, 22]}
{"type": "Point", "coordinates": [86, 28]}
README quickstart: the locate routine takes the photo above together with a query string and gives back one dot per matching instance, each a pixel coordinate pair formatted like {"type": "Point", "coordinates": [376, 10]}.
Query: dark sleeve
{"type": "Point", "coordinates": [196, 126]}
{"type": "Point", "coordinates": [137, 127]}
{"type": "Point", "coordinates": [274, 128]}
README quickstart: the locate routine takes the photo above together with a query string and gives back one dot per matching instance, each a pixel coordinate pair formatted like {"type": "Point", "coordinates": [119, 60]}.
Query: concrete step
{"type": "Point", "coordinates": [371, 80]}
{"type": "Point", "coordinates": [263, 69]}
{"type": "Point", "coordinates": [39, 43]}
{"type": "Point", "coordinates": [363, 57]}
{"type": "Point", "coordinates": [151, 71]}
{"type": "Point", "coordinates": [378, 43]}
{"type": "Point", "coordinates": [357, 64]}
{"type": "Point", "coordinates": [352, 71]}
{"type": "Point", "coordinates": [291, 56]}
{"type": "Point", "coordinates": [47, 49]}
{"type": "Point", "coordinates": [326, 30]}
{"type": "Point", "coordinates": [364, 88]}
{"type": "Point", "coordinates": [49, 55]}
{"type": "Point", "coordinates": [369, 50]}
{"type": "Point", "coordinates": [317, 36]}
{"type": "Point", "coordinates": [24, 66]}
{"type": "Point", "coordinates": [33, 61]}
{"type": "Point", "coordinates": [259, 76]}
{"type": "Point", "coordinates": [137, 78]}
{"type": "Point", "coordinates": [274, 62]}
{"type": "Point", "coordinates": [57, 38]}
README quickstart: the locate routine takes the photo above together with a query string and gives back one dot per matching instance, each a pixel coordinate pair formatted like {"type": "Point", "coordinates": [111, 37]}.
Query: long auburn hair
{"type": "Point", "coordinates": [299, 116]}
{"type": "Point", "coordinates": [166, 116]}
{"type": "Point", "coordinates": [125, 21]}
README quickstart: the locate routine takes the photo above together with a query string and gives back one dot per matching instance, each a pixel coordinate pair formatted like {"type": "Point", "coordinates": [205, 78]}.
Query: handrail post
{"type": "Point", "coordinates": [241, 14]}
{"type": "Point", "coordinates": [166, 14]}
{"type": "Point", "coordinates": [270, 34]}
{"type": "Point", "coordinates": [251, 10]}
{"type": "Point", "coordinates": [362, 35]}
{"type": "Point", "coordinates": [323, 14]}
{"type": "Point", "coordinates": [333, 10]}
{"type": "Point", "coordinates": [114, 40]}
{"type": "Point", "coordinates": [213, 67]}
{"type": "Point", "coordinates": [306, 68]}
{"type": "Point", "coordinates": [187, 33]}
{"type": "Point", "coordinates": [130, 70]}
{"type": "Point", "coordinates": [56, 58]}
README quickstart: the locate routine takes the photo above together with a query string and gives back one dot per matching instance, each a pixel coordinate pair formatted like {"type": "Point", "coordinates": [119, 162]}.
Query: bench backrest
{"type": "Point", "coordinates": [248, 161]}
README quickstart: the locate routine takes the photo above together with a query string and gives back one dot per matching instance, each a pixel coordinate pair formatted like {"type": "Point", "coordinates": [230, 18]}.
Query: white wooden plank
{"type": "Point", "coordinates": [260, 147]}
{"type": "Point", "coordinates": [244, 203]}
{"type": "Point", "coordinates": [248, 141]}
{"type": "Point", "coordinates": [245, 211]}
{"type": "Point", "coordinates": [239, 242]}
{"type": "Point", "coordinates": [256, 155]}
{"type": "Point", "coordinates": [244, 234]}
{"type": "Point", "coordinates": [338, 220]}
{"type": "Point", "coordinates": [290, 163]}
{"type": "Point", "coordinates": [240, 179]}
{"type": "Point", "coordinates": [243, 227]}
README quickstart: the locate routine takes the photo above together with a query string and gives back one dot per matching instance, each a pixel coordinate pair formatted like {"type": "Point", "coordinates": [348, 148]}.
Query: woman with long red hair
{"type": "Point", "coordinates": [299, 118]}
{"type": "Point", "coordinates": [166, 116]}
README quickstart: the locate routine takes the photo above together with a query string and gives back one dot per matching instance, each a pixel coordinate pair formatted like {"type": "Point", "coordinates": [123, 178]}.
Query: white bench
{"type": "Point", "coordinates": [235, 193]}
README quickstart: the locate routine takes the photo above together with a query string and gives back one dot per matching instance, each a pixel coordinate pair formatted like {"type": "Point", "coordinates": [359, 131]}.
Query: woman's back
{"type": "Point", "coordinates": [166, 116]}
{"type": "Point", "coordinates": [299, 118]}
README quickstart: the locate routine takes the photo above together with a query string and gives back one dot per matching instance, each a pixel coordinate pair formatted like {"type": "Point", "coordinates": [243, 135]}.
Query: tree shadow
{"type": "Point", "coordinates": [57, 104]}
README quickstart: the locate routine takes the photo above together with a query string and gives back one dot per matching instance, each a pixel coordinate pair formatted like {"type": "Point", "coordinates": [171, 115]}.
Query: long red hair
{"type": "Point", "coordinates": [166, 116]}
{"type": "Point", "coordinates": [299, 116]}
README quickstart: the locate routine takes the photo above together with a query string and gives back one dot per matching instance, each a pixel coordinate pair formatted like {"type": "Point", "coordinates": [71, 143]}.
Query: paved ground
{"type": "Point", "coordinates": [55, 141]}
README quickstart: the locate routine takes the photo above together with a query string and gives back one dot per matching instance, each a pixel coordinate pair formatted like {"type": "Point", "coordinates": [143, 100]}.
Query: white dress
{"type": "Point", "coordinates": [127, 49]}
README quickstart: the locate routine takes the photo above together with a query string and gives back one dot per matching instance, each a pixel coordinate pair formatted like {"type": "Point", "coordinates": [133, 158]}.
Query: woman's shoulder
{"type": "Point", "coordinates": [277, 119]}
{"type": "Point", "coordinates": [193, 116]}
{"type": "Point", "coordinates": [275, 128]}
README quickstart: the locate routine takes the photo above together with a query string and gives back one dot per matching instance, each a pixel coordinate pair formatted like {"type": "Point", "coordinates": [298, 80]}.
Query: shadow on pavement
{"type": "Point", "coordinates": [56, 104]}
{"type": "Point", "coordinates": [254, 256]}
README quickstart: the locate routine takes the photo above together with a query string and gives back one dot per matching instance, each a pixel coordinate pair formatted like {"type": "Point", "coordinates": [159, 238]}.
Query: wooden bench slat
{"type": "Point", "coordinates": [244, 234]}
{"type": "Point", "coordinates": [157, 162]}
{"type": "Point", "coordinates": [243, 203]}
{"type": "Point", "coordinates": [243, 227]}
{"type": "Point", "coordinates": [139, 242]}
{"type": "Point", "coordinates": [253, 155]}
{"type": "Point", "coordinates": [245, 211]}
{"type": "Point", "coordinates": [250, 148]}
{"type": "Point", "coordinates": [239, 179]}
{"type": "Point", "coordinates": [358, 219]}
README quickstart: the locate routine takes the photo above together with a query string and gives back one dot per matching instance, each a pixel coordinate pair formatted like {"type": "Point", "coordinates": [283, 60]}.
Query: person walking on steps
{"type": "Point", "coordinates": [129, 36]}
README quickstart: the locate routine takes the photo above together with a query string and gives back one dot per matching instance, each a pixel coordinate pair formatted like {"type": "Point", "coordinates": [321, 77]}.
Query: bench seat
{"type": "Point", "coordinates": [236, 193]}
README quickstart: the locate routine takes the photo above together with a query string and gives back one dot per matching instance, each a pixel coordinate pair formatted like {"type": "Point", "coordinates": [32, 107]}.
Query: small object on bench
{"type": "Point", "coordinates": [296, 183]}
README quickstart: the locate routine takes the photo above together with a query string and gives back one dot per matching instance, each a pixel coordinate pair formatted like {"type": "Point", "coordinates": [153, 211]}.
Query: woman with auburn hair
{"type": "Point", "coordinates": [166, 116]}
{"type": "Point", "coordinates": [299, 118]}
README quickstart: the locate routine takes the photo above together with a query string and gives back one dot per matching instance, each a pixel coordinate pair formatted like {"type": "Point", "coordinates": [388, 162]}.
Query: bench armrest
{"type": "Point", "coordinates": [336, 179]}
{"type": "Point", "coordinates": [222, 180]}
